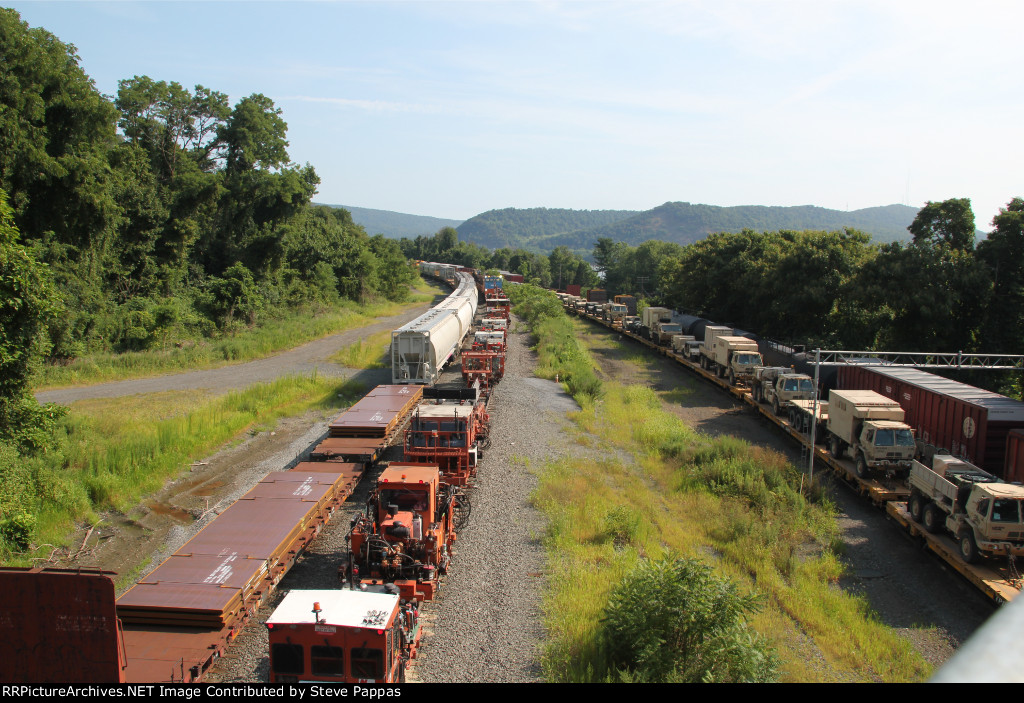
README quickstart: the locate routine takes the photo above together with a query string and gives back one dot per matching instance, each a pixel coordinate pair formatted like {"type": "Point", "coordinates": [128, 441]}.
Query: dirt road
{"type": "Point", "coordinates": [300, 360]}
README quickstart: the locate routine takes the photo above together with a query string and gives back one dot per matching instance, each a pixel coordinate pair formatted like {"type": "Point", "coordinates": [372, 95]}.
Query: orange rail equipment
{"type": "Point", "coordinates": [342, 636]}
{"type": "Point", "coordinates": [450, 435]}
{"type": "Point", "coordinates": [406, 535]}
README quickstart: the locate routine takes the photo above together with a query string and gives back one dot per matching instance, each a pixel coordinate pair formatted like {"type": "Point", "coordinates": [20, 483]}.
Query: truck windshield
{"type": "Point", "coordinates": [1005, 510]}
{"type": "Point", "coordinates": [747, 359]}
{"type": "Point", "coordinates": [894, 438]}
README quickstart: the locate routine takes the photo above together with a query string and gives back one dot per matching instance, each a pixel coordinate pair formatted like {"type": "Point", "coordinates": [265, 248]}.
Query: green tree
{"type": "Point", "coordinates": [27, 301]}
{"type": "Point", "coordinates": [56, 130]}
{"type": "Point", "coordinates": [1003, 255]}
{"type": "Point", "coordinates": [673, 620]}
{"type": "Point", "coordinates": [949, 223]}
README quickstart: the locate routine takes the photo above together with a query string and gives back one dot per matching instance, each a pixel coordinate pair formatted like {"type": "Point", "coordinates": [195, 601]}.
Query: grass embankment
{"type": "Point", "coordinates": [368, 353]}
{"type": "Point", "coordinates": [113, 452]}
{"type": "Point", "coordinates": [662, 488]}
{"type": "Point", "coordinates": [246, 345]}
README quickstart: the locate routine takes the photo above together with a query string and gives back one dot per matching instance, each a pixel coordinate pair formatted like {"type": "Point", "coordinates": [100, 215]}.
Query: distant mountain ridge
{"type": "Point", "coordinates": [527, 228]}
{"type": "Point", "coordinates": [543, 229]}
{"type": "Point", "coordinates": [395, 225]}
{"type": "Point", "coordinates": [685, 223]}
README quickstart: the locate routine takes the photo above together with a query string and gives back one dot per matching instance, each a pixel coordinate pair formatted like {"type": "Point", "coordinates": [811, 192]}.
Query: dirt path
{"type": "Point", "coordinates": [300, 360]}
{"type": "Point", "coordinates": [907, 587]}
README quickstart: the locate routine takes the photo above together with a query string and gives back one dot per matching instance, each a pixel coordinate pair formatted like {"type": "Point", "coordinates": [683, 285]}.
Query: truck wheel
{"type": "Point", "coordinates": [862, 468]}
{"type": "Point", "coordinates": [932, 519]}
{"type": "Point", "coordinates": [968, 547]}
{"type": "Point", "coordinates": [732, 377]}
{"type": "Point", "coordinates": [835, 447]}
{"type": "Point", "coordinates": [775, 405]}
{"type": "Point", "coordinates": [916, 506]}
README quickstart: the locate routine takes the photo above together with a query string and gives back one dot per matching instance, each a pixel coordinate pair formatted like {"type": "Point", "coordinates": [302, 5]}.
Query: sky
{"type": "Point", "coordinates": [450, 109]}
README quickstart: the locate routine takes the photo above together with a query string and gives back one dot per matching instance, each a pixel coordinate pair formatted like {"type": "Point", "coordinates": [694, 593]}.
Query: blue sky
{"type": "Point", "coordinates": [453, 108]}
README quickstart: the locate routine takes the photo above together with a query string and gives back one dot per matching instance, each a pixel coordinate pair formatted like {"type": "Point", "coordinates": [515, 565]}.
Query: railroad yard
{"type": "Point", "coordinates": [485, 621]}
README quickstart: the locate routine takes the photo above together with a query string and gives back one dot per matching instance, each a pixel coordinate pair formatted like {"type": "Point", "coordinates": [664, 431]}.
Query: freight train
{"type": "Point", "coordinates": [178, 620]}
{"type": "Point", "coordinates": [888, 406]}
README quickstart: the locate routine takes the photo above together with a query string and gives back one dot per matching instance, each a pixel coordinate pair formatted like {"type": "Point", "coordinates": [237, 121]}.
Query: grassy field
{"type": "Point", "coordinates": [661, 488]}
{"type": "Point", "coordinates": [246, 345]}
{"type": "Point", "coordinates": [368, 353]}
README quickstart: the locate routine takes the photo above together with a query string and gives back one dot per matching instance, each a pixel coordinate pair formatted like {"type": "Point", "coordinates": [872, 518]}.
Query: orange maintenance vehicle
{"type": "Point", "coordinates": [451, 435]}
{"type": "Point", "coordinates": [342, 636]}
{"type": "Point", "coordinates": [408, 531]}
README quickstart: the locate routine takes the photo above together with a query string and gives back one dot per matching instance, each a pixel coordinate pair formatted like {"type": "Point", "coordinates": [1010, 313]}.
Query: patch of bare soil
{"type": "Point", "coordinates": [909, 589]}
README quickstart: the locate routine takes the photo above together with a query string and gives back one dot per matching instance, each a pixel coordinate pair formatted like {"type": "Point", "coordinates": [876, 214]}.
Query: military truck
{"type": "Point", "coordinates": [778, 386]}
{"type": "Point", "coordinates": [872, 427]}
{"type": "Point", "coordinates": [804, 413]}
{"type": "Point", "coordinates": [614, 313]}
{"type": "Point", "coordinates": [981, 512]}
{"type": "Point", "coordinates": [729, 356]}
{"type": "Point", "coordinates": [650, 318]}
{"type": "Point", "coordinates": [679, 342]}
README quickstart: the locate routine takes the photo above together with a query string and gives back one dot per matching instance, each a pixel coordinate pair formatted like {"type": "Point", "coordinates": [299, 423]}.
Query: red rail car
{"type": "Point", "coordinates": [59, 625]}
{"type": "Point", "coordinates": [968, 422]}
{"type": "Point", "coordinates": [450, 435]}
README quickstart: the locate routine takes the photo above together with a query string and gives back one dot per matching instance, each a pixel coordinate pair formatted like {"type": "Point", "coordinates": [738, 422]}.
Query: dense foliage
{"type": "Point", "coordinates": [675, 621]}
{"type": "Point", "coordinates": [166, 213]}
{"type": "Point", "coordinates": [559, 269]}
{"type": "Point", "coordinates": [154, 220]}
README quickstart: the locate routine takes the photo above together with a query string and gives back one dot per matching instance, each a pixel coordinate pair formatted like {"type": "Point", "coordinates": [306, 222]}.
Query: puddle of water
{"type": "Point", "coordinates": [169, 510]}
{"type": "Point", "coordinates": [207, 489]}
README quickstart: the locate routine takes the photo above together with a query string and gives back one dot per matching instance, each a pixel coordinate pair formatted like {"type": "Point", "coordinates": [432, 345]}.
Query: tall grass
{"type": "Point", "coordinates": [270, 337]}
{"type": "Point", "coordinates": [718, 499]}
{"type": "Point", "coordinates": [368, 353]}
{"type": "Point", "coordinates": [113, 452]}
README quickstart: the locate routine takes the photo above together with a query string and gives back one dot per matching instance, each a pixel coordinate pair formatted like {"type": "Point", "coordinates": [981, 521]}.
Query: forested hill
{"type": "Point", "coordinates": [396, 225]}
{"type": "Point", "coordinates": [685, 223]}
{"type": "Point", "coordinates": [529, 227]}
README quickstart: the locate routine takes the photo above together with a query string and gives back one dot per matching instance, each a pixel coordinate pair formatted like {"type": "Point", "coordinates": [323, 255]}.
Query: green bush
{"type": "Point", "coordinates": [673, 620]}
{"type": "Point", "coordinates": [16, 530]}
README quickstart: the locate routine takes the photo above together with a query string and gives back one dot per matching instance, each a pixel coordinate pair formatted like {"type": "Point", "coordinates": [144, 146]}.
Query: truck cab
{"type": "Point", "coordinates": [887, 444]}
{"type": "Point", "coordinates": [985, 515]}
{"type": "Point", "coordinates": [872, 426]}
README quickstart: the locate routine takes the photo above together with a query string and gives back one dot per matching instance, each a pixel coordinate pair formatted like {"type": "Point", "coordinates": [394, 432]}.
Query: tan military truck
{"type": "Point", "coordinates": [679, 342]}
{"type": "Point", "coordinates": [651, 318]}
{"type": "Point", "coordinates": [614, 313]}
{"type": "Point", "coordinates": [872, 427]}
{"type": "Point", "coordinates": [778, 386]}
{"type": "Point", "coordinates": [981, 512]}
{"type": "Point", "coordinates": [730, 357]}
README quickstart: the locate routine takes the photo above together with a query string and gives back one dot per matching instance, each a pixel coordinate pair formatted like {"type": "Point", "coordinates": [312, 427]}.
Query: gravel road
{"type": "Point", "coordinates": [300, 360]}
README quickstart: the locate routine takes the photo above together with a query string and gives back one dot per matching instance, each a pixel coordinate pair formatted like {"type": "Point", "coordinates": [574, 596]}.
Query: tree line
{"type": "Point", "coordinates": [154, 217]}
{"type": "Point", "coordinates": [558, 269]}
{"type": "Point", "coordinates": [942, 291]}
